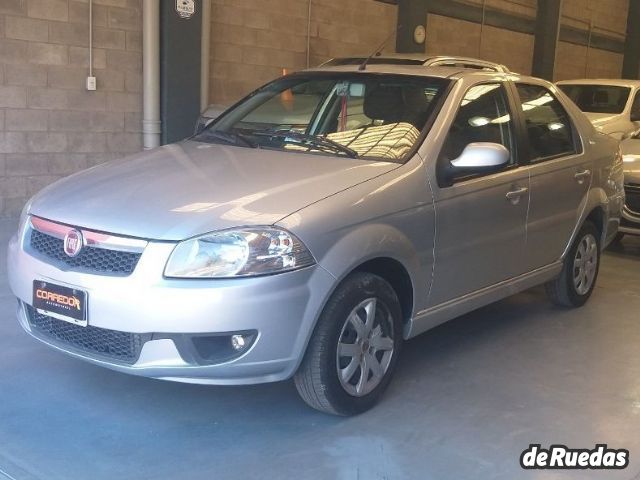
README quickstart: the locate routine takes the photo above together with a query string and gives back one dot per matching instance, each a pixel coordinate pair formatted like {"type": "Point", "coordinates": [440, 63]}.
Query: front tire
{"type": "Point", "coordinates": [579, 273]}
{"type": "Point", "coordinates": [354, 348]}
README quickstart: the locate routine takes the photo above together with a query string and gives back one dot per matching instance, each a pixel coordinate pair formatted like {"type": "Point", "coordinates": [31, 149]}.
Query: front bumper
{"type": "Point", "coordinates": [630, 222]}
{"type": "Point", "coordinates": [282, 310]}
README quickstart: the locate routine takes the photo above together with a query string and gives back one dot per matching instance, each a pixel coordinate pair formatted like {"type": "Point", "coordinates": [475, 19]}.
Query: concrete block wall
{"type": "Point", "coordinates": [50, 126]}
{"type": "Point", "coordinates": [449, 36]}
{"type": "Point", "coordinates": [452, 36]}
{"type": "Point", "coordinates": [607, 17]}
{"type": "Point", "coordinates": [253, 40]}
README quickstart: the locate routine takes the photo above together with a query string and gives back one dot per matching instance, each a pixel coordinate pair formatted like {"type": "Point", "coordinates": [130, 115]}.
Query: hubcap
{"type": "Point", "coordinates": [365, 347]}
{"type": "Point", "coordinates": [585, 264]}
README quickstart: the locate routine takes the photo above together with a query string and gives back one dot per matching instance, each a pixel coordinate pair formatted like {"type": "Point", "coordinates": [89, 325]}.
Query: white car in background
{"type": "Point", "coordinates": [630, 222]}
{"type": "Point", "coordinates": [613, 106]}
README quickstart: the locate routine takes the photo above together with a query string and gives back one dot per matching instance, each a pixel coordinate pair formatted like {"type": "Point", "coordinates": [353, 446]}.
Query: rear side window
{"type": "Point", "coordinates": [548, 126]}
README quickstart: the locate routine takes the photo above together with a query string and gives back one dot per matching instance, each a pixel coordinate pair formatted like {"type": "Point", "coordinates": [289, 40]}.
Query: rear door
{"type": "Point", "coordinates": [481, 219]}
{"type": "Point", "coordinates": [560, 173]}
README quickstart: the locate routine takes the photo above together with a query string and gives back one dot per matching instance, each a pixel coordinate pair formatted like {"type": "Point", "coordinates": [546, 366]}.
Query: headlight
{"type": "Point", "coordinates": [238, 253]}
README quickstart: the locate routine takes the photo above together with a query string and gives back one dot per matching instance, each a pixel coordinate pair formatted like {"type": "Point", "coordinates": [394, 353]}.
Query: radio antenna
{"type": "Point", "coordinates": [377, 51]}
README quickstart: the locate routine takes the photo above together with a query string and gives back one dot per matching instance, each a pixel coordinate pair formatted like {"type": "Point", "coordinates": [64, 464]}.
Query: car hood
{"type": "Point", "coordinates": [181, 190]}
{"type": "Point", "coordinates": [631, 157]}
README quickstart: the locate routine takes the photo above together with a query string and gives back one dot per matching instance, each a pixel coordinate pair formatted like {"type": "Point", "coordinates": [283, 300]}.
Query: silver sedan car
{"type": "Point", "coordinates": [316, 225]}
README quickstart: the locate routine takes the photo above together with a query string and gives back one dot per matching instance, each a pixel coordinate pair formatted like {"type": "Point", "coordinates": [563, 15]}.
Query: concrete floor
{"type": "Point", "coordinates": [468, 397]}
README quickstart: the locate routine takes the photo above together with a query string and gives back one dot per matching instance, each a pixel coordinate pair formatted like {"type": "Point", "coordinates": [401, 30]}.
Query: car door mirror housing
{"type": "Point", "coordinates": [481, 156]}
{"type": "Point", "coordinates": [476, 158]}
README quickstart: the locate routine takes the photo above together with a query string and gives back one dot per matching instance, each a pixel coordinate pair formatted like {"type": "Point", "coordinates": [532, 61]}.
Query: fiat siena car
{"type": "Point", "coordinates": [316, 225]}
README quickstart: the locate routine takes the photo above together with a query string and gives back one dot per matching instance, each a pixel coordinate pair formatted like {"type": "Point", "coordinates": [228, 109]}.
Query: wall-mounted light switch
{"type": "Point", "coordinates": [91, 84]}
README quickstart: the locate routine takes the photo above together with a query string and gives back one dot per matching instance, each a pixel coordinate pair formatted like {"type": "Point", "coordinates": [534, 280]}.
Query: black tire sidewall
{"type": "Point", "coordinates": [352, 292]}
{"type": "Point", "coordinates": [575, 298]}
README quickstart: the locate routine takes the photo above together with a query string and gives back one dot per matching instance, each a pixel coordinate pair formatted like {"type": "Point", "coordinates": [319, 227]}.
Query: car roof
{"type": "Point", "coordinates": [421, 59]}
{"type": "Point", "coordinates": [453, 73]}
{"type": "Point", "coordinates": [438, 72]}
{"type": "Point", "coordinates": [614, 82]}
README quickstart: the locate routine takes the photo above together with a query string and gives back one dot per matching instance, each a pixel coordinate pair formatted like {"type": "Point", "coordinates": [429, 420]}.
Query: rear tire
{"type": "Point", "coordinates": [575, 284]}
{"type": "Point", "coordinates": [359, 329]}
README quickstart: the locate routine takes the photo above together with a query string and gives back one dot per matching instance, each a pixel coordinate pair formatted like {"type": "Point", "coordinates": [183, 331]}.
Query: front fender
{"type": "Point", "coordinates": [380, 241]}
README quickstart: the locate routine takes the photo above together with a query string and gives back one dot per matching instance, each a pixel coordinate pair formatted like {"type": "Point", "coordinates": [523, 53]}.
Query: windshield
{"type": "Point", "coordinates": [371, 116]}
{"type": "Point", "coordinates": [598, 98]}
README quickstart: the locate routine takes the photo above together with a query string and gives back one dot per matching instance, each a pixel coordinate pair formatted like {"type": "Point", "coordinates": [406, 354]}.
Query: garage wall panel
{"type": "Point", "coordinates": [50, 126]}
{"type": "Point", "coordinates": [449, 36]}
{"type": "Point", "coordinates": [573, 61]}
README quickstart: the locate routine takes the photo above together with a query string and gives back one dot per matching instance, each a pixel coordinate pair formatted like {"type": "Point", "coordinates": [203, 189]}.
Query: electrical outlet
{"type": "Point", "coordinates": [91, 84]}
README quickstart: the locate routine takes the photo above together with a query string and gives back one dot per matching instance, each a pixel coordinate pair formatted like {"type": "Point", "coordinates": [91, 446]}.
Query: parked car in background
{"type": "Point", "coordinates": [630, 223]}
{"type": "Point", "coordinates": [613, 106]}
{"type": "Point", "coordinates": [212, 112]}
{"type": "Point", "coordinates": [316, 225]}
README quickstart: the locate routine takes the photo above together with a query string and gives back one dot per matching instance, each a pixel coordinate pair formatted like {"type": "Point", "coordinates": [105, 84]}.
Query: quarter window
{"type": "Point", "coordinates": [548, 125]}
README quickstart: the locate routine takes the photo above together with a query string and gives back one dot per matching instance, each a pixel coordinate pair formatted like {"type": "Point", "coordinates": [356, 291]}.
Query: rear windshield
{"type": "Point", "coordinates": [598, 98]}
{"type": "Point", "coordinates": [363, 115]}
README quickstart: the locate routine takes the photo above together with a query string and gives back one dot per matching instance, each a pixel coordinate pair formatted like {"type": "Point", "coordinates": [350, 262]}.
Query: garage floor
{"type": "Point", "coordinates": [468, 397]}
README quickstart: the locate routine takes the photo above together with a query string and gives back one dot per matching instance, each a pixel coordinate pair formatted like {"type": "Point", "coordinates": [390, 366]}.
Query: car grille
{"type": "Point", "coordinates": [90, 258]}
{"type": "Point", "coordinates": [122, 347]}
{"type": "Point", "coordinates": [632, 193]}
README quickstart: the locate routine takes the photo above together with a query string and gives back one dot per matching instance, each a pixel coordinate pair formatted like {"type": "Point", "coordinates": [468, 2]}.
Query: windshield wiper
{"type": "Point", "coordinates": [230, 137]}
{"type": "Point", "coordinates": [307, 139]}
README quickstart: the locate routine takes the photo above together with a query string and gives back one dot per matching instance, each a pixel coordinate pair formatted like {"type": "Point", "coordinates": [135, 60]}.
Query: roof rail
{"type": "Point", "coordinates": [420, 59]}
{"type": "Point", "coordinates": [465, 62]}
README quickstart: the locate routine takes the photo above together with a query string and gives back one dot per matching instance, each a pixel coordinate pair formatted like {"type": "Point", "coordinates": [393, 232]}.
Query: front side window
{"type": "Point", "coordinates": [362, 115]}
{"type": "Point", "coordinates": [597, 98]}
{"type": "Point", "coordinates": [483, 116]}
{"type": "Point", "coordinates": [548, 126]}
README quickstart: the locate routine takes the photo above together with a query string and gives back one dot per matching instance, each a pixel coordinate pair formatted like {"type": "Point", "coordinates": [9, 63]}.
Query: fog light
{"type": "Point", "coordinates": [238, 342]}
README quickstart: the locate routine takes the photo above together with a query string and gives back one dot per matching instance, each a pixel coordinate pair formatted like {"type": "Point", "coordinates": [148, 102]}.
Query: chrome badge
{"type": "Point", "coordinates": [73, 243]}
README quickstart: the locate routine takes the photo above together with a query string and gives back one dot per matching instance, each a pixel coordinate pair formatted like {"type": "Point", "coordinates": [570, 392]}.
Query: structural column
{"type": "Point", "coordinates": [151, 72]}
{"type": "Point", "coordinates": [631, 63]}
{"type": "Point", "coordinates": [411, 14]}
{"type": "Point", "coordinates": [546, 38]}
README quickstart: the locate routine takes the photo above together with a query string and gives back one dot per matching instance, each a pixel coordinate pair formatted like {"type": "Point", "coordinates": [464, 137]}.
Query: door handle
{"type": "Point", "coordinates": [516, 194]}
{"type": "Point", "coordinates": [581, 176]}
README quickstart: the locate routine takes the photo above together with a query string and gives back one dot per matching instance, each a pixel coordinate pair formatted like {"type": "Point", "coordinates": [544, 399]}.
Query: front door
{"type": "Point", "coordinates": [560, 175]}
{"type": "Point", "coordinates": [481, 219]}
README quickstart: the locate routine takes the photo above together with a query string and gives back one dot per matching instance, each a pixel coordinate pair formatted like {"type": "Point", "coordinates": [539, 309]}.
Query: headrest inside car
{"type": "Point", "coordinates": [601, 96]}
{"type": "Point", "coordinates": [384, 103]}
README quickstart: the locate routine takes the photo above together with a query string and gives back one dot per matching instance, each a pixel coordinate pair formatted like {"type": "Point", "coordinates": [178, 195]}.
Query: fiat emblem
{"type": "Point", "coordinates": [73, 243]}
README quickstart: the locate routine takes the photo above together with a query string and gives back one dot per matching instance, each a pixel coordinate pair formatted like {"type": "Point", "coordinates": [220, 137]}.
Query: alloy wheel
{"type": "Point", "coordinates": [365, 347]}
{"type": "Point", "coordinates": [585, 264]}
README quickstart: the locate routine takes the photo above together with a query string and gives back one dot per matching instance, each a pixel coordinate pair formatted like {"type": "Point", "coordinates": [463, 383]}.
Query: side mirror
{"type": "Point", "coordinates": [479, 157]}
{"type": "Point", "coordinates": [208, 116]}
{"type": "Point", "coordinates": [203, 122]}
